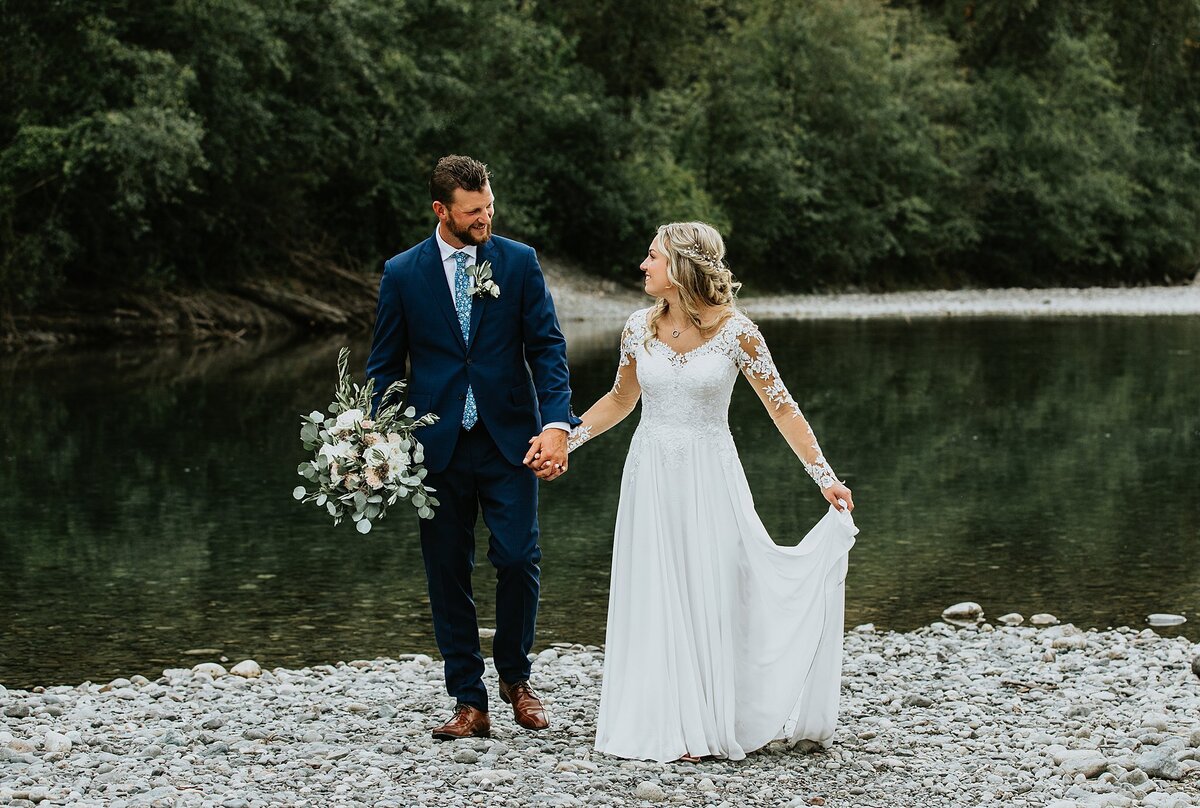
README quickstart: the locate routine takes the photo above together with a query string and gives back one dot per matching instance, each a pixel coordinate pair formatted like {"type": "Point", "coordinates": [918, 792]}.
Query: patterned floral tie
{"type": "Point", "coordinates": [462, 303]}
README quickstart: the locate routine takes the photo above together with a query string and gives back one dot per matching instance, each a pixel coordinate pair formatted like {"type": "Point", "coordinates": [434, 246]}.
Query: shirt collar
{"type": "Point", "coordinates": [446, 250]}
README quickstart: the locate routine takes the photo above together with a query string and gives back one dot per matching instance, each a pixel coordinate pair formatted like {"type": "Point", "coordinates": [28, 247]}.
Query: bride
{"type": "Point", "coordinates": [718, 641]}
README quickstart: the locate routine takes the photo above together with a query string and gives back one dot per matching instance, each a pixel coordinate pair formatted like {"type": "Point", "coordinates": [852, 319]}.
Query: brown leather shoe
{"type": "Point", "coordinates": [527, 705]}
{"type": "Point", "coordinates": [468, 722]}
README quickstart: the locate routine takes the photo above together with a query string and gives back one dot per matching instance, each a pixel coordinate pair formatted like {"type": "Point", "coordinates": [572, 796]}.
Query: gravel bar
{"type": "Point", "coordinates": [1087, 302]}
{"type": "Point", "coordinates": [940, 716]}
{"type": "Point", "coordinates": [586, 298]}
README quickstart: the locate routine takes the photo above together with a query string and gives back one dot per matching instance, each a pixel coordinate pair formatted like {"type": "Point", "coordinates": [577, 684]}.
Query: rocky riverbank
{"type": "Point", "coordinates": [942, 716]}
{"type": "Point", "coordinates": [1089, 302]}
{"type": "Point", "coordinates": [318, 296]}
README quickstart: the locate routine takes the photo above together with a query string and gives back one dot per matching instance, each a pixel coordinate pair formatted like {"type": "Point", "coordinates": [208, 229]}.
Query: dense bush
{"type": "Point", "coordinates": [836, 142]}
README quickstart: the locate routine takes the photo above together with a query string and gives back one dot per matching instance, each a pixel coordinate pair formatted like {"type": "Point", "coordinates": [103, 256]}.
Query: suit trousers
{"type": "Point", "coordinates": [480, 478]}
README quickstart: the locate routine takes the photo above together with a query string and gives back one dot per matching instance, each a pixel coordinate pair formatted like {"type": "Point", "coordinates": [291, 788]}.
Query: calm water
{"type": "Point", "coordinates": [1029, 465]}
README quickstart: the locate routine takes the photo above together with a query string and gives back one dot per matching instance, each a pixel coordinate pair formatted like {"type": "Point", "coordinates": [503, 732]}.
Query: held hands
{"type": "Point", "coordinates": [838, 491]}
{"type": "Point", "coordinates": [547, 454]}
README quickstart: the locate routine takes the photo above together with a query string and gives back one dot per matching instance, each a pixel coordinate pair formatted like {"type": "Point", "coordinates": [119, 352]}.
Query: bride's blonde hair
{"type": "Point", "coordinates": [696, 267]}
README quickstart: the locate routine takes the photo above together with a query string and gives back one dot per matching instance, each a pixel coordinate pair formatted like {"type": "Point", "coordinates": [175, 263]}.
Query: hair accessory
{"type": "Point", "coordinates": [701, 256]}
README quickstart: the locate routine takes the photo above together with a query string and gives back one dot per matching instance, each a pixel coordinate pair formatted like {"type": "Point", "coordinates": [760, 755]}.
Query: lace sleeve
{"type": "Point", "coordinates": [754, 360]}
{"type": "Point", "coordinates": [618, 402]}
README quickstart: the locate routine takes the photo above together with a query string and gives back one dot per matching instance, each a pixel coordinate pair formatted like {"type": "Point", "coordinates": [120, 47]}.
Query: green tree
{"type": "Point", "coordinates": [99, 149]}
{"type": "Point", "coordinates": [837, 150]}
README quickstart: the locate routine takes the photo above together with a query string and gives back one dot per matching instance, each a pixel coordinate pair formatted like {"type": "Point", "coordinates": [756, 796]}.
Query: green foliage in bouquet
{"type": "Point", "coordinates": [362, 466]}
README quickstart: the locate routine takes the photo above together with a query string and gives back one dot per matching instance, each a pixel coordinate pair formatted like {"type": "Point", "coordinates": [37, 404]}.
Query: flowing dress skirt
{"type": "Point", "coordinates": [718, 641]}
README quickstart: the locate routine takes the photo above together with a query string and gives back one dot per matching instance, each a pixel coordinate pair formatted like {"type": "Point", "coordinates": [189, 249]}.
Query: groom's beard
{"type": "Point", "coordinates": [469, 236]}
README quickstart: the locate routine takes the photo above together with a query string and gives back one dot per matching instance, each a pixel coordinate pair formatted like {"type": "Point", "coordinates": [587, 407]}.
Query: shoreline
{"type": "Point", "coordinates": [939, 716]}
{"type": "Point", "coordinates": [1084, 302]}
{"type": "Point", "coordinates": [323, 299]}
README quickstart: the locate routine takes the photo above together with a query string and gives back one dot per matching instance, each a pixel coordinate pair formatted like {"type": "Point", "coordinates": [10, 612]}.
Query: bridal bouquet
{"type": "Point", "coordinates": [363, 466]}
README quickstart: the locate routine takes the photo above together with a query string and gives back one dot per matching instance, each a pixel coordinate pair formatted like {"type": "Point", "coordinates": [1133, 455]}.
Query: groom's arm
{"type": "Point", "coordinates": [389, 346]}
{"type": "Point", "coordinates": [545, 348]}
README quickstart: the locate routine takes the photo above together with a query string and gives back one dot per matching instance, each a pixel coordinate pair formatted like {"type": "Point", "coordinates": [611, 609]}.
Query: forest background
{"type": "Point", "coordinates": [838, 144]}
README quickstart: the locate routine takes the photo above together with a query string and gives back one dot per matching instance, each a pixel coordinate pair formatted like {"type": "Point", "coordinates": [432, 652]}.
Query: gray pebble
{"type": "Point", "coordinates": [647, 790]}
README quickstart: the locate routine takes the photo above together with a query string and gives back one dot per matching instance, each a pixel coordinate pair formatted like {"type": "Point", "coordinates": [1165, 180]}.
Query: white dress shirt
{"type": "Point", "coordinates": [450, 266]}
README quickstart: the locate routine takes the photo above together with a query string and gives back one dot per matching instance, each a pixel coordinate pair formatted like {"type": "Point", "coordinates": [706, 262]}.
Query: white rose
{"type": "Point", "coordinates": [398, 465]}
{"type": "Point", "coordinates": [337, 451]}
{"type": "Point", "coordinates": [348, 420]}
{"type": "Point", "coordinates": [376, 455]}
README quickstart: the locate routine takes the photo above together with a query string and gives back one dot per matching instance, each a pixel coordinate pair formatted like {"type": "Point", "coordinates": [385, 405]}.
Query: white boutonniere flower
{"type": "Point", "coordinates": [481, 280]}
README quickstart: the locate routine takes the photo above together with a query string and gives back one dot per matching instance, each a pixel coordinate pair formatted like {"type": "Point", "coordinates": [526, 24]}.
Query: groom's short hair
{"type": "Point", "coordinates": [456, 171]}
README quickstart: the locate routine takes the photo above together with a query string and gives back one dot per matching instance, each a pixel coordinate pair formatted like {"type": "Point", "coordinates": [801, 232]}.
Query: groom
{"type": "Point", "coordinates": [494, 369]}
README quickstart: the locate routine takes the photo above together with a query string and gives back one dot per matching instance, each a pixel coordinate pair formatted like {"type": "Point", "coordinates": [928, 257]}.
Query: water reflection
{"type": "Point", "coordinates": [1029, 465]}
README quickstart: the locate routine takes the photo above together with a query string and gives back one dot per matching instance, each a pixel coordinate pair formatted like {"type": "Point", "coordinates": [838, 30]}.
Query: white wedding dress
{"type": "Point", "coordinates": [718, 641]}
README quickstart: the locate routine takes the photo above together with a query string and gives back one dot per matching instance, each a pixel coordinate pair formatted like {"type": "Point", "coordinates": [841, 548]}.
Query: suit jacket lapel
{"type": "Point", "coordinates": [487, 252]}
{"type": "Point", "coordinates": [435, 278]}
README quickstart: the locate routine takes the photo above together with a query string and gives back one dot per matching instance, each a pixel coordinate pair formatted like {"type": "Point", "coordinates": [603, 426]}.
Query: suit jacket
{"type": "Point", "coordinates": [515, 358]}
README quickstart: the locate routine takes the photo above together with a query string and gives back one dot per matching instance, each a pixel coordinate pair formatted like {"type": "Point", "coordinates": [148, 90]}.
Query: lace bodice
{"type": "Point", "coordinates": [686, 395]}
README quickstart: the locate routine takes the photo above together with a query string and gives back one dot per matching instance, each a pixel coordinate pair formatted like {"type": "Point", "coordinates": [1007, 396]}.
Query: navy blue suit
{"type": "Point", "coordinates": [515, 362]}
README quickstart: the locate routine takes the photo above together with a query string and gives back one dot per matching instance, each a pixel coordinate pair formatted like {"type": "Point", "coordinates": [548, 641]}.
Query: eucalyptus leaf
{"type": "Point", "coordinates": [363, 526]}
{"type": "Point", "coordinates": [299, 492]}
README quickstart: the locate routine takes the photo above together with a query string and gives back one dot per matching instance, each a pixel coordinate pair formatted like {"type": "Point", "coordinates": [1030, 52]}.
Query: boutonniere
{"type": "Point", "coordinates": [481, 280]}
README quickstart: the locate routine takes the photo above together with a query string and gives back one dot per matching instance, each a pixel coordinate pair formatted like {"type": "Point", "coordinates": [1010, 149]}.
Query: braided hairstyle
{"type": "Point", "coordinates": [696, 267]}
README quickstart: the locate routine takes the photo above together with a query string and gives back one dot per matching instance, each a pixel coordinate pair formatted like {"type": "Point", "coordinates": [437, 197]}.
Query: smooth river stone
{"type": "Point", "coordinates": [1161, 619]}
{"type": "Point", "coordinates": [247, 668]}
{"type": "Point", "coordinates": [56, 742]}
{"type": "Point", "coordinates": [1087, 762]}
{"type": "Point", "coordinates": [213, 669]}
{"type": "Point", "coordinates": [1043, 619]}
{"type": "Point", "coordinates": [967, 610]}
{"type": "Point", "coordinates": [1011, 619]}
{"type": "Point", "coordinates": [1160, 762]}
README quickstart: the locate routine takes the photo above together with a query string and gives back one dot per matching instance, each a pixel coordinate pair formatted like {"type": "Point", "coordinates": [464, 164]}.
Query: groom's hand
{"type": "Point", "coordinates": [547, 454]}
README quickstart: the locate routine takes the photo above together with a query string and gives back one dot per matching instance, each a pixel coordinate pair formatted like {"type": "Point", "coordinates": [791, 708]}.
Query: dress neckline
{"type": "Point", "coordinates": [676, 356]}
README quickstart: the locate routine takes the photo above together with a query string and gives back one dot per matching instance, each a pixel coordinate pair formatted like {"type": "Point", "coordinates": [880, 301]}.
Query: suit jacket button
{"type": "Point", "coordinates": [468, 360]}
{"type": "Point", "coordinates": [462, 397]}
